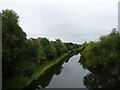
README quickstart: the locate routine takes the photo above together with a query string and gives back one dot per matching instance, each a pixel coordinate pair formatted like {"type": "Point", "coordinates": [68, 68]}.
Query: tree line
{"type": "Point", "coordinates": [102, 55]}
{"type": "Point", "coordinates": [21, 56]}
{"type": "Point", "coordinates": [102, 58]}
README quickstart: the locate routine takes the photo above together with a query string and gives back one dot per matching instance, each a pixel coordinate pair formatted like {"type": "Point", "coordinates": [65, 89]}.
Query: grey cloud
{"type": "Point", "coordinates": [70, 20]}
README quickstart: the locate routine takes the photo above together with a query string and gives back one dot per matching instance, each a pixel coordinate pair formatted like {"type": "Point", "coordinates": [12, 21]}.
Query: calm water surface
{"type": "Point", "coordinates": [67, 74]}
{"type": "Point", "coordinates": [71, 76]}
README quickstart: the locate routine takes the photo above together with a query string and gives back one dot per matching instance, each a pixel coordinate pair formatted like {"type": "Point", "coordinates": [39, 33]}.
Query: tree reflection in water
{"type": "Point", "coordinates": [44, 80]}
{"type": "Point", "coordinates": [102, 80]}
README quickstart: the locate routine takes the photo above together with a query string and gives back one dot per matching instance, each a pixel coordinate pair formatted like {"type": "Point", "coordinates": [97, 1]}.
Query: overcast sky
{"type": "Point", "coordinates": [70, 20]}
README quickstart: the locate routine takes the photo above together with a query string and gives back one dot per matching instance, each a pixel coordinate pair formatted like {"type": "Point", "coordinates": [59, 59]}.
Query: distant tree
{"type": "Point", "coordinates": [60, 47]}
{"type": "Point", "coordinates": [49, 49]}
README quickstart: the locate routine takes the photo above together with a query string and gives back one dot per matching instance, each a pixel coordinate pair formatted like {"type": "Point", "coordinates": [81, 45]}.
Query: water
{"type": "Point", "coordinates": [72, 75]}
{"type": "Point", "coordinates": [67, 74]}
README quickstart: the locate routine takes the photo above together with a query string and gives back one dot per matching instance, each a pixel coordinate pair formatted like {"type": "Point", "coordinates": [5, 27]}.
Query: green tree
{"type": "Point", "coordinates": [102, 54]}
{"type": "Point", "coordinates": [60, 47]}
{"type": "Point", "coordinates": [49, 49]}
{"type": "Point", "coordinates": [13, 38]}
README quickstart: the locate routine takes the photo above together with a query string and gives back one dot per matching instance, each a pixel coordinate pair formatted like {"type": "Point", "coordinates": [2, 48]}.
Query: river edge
{"type": "Point", "coordinates": [45, 69]}
{"type": "Point", "coordinates": [22, 82]}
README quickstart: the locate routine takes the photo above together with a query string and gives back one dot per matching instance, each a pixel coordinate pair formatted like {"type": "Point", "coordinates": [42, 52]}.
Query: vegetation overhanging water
{"type": "Point", "coordinates": [23, 57]}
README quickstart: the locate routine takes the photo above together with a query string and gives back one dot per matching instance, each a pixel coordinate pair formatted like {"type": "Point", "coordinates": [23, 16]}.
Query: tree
{"type": "Point", "coordinates": [13, 38]}
{"type": "Point", "coordinates": [102, 54]}
{"type": "Point", "coordinates": [49, 49]}
{"type": "Point", "coordinates": [60, 47]}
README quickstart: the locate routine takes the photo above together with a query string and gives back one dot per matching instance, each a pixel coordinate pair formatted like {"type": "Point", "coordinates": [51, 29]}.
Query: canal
{"type": "Point", "coordinates": [67, 74]}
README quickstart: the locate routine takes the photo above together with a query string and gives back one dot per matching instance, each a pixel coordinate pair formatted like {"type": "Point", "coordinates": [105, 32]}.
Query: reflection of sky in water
{"type": "Point", "coordinates": [71, 76]}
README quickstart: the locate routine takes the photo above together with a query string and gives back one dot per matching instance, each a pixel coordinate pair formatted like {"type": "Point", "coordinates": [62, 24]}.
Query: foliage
{"type": "Point", "coordinates": [71, 46]}
{"type": "Point", "coordinates": [103, 54]}
{"type": "Point", "coordinates": [13, 39]}
{"type": "Point", "coordinates": [101, 80]}
{"type": "Point", "coordinates": [49, 49]}
{"type": "Point", "coordinates": [60, 47]}
{"type": "Point", "coordinates": [22, 56]}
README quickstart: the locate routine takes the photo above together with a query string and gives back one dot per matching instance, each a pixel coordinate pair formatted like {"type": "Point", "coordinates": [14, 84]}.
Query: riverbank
{"type": "Point", "coordinates": [63, 75]}
{"type": "Point", "coordinates": [21, 82]}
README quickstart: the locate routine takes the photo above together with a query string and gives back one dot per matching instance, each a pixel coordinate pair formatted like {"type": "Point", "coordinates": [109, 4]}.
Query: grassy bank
{"type": "Point", "coordinates": [21, 82]}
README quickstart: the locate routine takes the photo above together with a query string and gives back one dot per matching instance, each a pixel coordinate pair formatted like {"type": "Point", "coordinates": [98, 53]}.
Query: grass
{"type": "Point", "coordinates": [21, 82]}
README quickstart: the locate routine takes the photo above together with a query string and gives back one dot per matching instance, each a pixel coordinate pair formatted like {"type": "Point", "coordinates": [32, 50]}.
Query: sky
{"type": "Point", "coordinates": [74, 21]}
